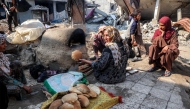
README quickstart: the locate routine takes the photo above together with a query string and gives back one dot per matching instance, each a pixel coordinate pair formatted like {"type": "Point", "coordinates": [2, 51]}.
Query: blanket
{"type": "Point", "coordinates": [184, 22]}
{"type": "Point", "coordinates": [104, 101]}
{"type": "Point", "coordinates": [62, 82]}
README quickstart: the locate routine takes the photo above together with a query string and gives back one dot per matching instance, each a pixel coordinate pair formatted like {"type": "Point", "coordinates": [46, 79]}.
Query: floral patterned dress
{"type": "Point", "coordinates": [5, 76]}
{"type": "Point", "coordinates": [105, 69]}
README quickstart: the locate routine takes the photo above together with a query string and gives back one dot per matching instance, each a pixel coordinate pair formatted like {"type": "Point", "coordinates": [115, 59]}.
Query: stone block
{"type": "Point", "coordinates": [174, 106]}
{"type": "Point", "coordinates": [134, 97]}
{"type": "Point", "coordinates": [147, 82]}
{"type": "Point", "coordinates": [135, 77]}
{"type": "Point", "coordinates": [176, 98]}
{"type": "Point", "coordinates": [126, 84]}
{"type": "Point", "coordinates": [141, 88]}
{"type": "Point", "coordinates": [164, 85]}
{"type": "Point", "coordinates": [165, 95]}
{"type": "Point", "coordinates": [154, 103]}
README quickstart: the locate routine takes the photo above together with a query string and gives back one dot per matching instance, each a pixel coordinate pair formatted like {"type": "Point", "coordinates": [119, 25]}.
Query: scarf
{"type": "Point", "coordinates": [169, 30]}
{"type": "Point", "coordinates": [115, 52]}
{"type": "Point", "coordinates": [2, 38]}
{"type": "Point", "coordinates": [4, 63]}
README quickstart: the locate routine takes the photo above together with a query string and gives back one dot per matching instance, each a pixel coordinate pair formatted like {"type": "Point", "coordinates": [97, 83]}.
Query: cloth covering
{"type": "Point", "coordinates": [184, 22]}
{"type": "Point", "coordinates": [104, 101]}
{"type": "Point", "coordinates": [2, 38]}
{"type": "Point", "coordinates": [62, 82]}
{"type": "Point", "coordinates": [169, 30]}
{"type": "Point", "coordinates": [29, 30]}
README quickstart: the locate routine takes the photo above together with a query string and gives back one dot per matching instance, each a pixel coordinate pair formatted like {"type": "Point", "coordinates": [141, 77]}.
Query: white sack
{"type": "Point", "coordinates": [29, 30]}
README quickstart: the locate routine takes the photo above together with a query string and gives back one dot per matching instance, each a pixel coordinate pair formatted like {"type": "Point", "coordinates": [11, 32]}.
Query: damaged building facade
{"type": "Point", "coordinates": [56, 10]}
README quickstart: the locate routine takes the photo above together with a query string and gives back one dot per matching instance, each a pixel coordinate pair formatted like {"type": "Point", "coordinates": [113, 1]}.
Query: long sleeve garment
{"type": "Point", "coordinates": [164, 59]}
{"type": "Point", "coordinates": [104, 69]}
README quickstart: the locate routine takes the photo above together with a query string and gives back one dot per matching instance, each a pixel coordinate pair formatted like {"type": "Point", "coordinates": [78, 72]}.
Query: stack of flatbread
{"type": "Point", "coordinates": [77, 98]}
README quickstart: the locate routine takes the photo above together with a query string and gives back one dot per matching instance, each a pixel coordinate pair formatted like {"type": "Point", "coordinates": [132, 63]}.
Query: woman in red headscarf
{"type": "Point", "coordinates": [164, 48]}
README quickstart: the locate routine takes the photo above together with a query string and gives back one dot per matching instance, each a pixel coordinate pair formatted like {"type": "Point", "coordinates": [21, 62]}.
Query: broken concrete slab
{"type": "Point", "coordinates": [101, 12]}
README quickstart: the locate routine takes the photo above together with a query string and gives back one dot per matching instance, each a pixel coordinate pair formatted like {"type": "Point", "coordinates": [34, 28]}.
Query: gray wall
{"type": "Point", "coordinates": [23, 16]}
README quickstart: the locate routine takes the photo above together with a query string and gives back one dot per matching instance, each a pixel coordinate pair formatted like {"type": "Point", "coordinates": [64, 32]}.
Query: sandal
{"type": "Point", "coordinates": [153, 69]}
{"type": "Point", "coordinates": [167, 73]}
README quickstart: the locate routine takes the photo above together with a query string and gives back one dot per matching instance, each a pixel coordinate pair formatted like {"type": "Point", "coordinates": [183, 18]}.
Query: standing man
{"type": "Point", "coordinates": [11, 14]}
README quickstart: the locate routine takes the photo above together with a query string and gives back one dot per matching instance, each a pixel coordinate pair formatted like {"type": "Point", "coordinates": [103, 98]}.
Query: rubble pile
{"type": "Point", "coordinates": [38, 7]}
{"type": "Point", "coordinates": [109, 15]}
{"type": "Point", "coordinates": [148, 30]}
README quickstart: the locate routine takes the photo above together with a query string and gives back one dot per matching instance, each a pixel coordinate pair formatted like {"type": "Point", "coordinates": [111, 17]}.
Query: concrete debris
{"type": "Point", "coordinates": [133, 71]}
{"type": "Point", "coordinates": [129, 68]}
{"type": "Point", "coordinates": [38, 106]}
{"type": "Point", "coordinates": [148, 30]}
{"type": "Point", "coordinates": [101, 12]}
{"type": "Point", "coordinates": [127, 74]}
{"type": "Point", "coordinates": [28, 57]}
{"type": "Point", "coordinates": [38, 7]}
{"type": "Point", "coordinates": [183, 35]}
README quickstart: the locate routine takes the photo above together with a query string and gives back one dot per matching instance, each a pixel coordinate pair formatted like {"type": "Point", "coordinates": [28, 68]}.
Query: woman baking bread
{"type": "Point", "coordinates": [110, 67]}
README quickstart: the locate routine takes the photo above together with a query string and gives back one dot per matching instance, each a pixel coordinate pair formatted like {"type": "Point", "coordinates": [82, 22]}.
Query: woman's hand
{"type": "Point", "coordinates": [4, 6]}
{"type": "Point", "coordinates": [85, 61]}
{"type": "Point", "coordinates": [163, 32]}
{"type": "Point", "coordinates": [164, 50]}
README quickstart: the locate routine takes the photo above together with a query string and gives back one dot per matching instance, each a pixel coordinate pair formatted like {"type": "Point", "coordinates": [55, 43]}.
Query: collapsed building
{"type": "Point", "coordinates": [107, 12]}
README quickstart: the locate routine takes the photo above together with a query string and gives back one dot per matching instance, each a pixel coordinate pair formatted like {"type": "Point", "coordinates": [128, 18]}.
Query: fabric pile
{"type": "Point", "coordinates": [184, 22]}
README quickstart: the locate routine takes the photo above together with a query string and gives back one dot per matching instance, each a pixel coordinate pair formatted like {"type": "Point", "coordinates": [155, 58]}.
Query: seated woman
{"type": "Point", "coordinates": [110, 68]}
{"type": "Point", "coordinates": [164, 48]}
{"type": "Point", "coordinates": [99, 43]}
{"type": "Point", "coordinates": [11, 76]}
